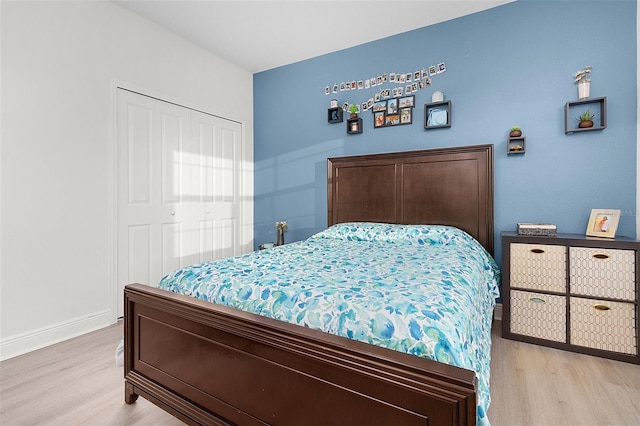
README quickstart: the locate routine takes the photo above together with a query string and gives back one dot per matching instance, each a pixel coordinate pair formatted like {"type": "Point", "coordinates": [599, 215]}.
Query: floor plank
{"type": "Point", "coordinates": [536, 385]}
{"type": "Point", "coordinates": [73, 383]}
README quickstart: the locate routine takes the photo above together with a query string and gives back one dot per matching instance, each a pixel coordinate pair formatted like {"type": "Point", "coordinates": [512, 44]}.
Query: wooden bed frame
{"type": "Point", "coordinates": [209, 364]}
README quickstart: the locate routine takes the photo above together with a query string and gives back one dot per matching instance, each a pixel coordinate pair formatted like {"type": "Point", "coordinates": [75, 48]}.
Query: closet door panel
{"type": "Point", "coordinates": [178, 180]}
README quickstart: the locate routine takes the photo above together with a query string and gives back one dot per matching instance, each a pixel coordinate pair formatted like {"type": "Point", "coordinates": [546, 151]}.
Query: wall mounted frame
{"type": "Point", "coordinates": [437, 115]}
{"type": "Point", "coordinates": [334, 115]}
{"type": "Point", "coordinates": [573, 109]}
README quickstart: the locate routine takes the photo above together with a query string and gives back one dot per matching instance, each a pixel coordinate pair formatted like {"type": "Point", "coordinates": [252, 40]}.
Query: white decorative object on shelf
{"type": "Point", "coordinates": [581, 78]}
{"type": "Point", "coordinates": [584, 89]}
{"type": "Point", "coordinates": [543, 229]}
{"type": "Point", "coordinates": [437, 96]}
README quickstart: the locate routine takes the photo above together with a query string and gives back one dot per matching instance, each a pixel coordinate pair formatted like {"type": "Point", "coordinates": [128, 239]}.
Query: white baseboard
{"type": "Point", "coordinates": [497, 312]}
{"type": "Point", "coordinates": [45, 336]}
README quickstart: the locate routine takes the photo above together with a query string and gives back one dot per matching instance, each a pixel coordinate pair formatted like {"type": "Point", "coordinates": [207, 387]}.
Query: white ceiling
{"type": "Point", "coordinates": [263, 34]}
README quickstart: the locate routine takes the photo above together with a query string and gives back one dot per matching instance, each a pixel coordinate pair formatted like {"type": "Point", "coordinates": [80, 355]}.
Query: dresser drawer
{"type": "Point", "coordinates": [538, 267]}
{"type": "Point", "coordinates": [605, 325]}
{"type": "Point", "coordinates": [602, 272]}
{"type": "Point", "coordinates": [538, 315]}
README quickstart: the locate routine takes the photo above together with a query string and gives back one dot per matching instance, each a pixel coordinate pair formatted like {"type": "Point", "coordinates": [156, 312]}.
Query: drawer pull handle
{"type": "Point", "coordinates": [537, 251]}
{"type": "Point", "coordinates": [601, 256]}
{"type": "Point", "coordinates": [601, 307]}
{"type": "Point", "coordinates": [537, 300]}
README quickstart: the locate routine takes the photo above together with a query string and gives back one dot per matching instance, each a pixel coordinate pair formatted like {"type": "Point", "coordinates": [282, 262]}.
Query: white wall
{"type": "Point", "coordinates": [60, 65]}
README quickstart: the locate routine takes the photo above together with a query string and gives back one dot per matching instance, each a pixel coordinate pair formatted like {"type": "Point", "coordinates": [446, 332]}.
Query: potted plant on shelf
{"type": "Point", "coordinates": [353, 110]}
{"type": "Point", "coordinates": [585, 120]}
{"type": "Point", "coordinates": [581, 78]}
{"type": "Point", "coordinates": [515, 132]}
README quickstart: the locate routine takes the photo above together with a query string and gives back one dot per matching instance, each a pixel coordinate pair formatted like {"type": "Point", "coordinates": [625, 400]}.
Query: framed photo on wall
{"type": "Point", "coordinates": [407, 102]}
{"type": "Point", "coordinates": [406, 115]}
{"type": "Point", "coordinates": [393, 112]}
{"type": "Point", "coordinates": [378, 119]}
{"type": "Point", "coordinates": [603, 223]}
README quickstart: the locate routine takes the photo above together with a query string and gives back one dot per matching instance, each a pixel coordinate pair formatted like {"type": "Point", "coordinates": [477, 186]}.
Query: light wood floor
{"type": "Point", "coordinates": [77, 383]}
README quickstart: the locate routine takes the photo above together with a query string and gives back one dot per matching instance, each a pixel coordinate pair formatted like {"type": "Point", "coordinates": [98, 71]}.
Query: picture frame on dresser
{"type": "Point", "coordinates": [603, 223]}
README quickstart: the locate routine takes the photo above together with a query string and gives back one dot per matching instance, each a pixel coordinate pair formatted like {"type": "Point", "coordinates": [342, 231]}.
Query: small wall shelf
{"type": "Point", "coordinates": [354, 126]}
{"type": "Point", "coordinates": [516, 145]}
{"type": "Point", "coordinates": [437, 115]}
{"type": "Point", "coordinates": [334, 115]}
{"type": "Point", "coordinates": [573, 109]}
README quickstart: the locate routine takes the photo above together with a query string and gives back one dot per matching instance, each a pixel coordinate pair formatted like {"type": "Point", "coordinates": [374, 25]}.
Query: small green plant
{"type": "Point", "coordinates": [586, 116]}
{"type": "Point", "coordinates": [353, 109]}
{"type": "Point", "coordinates": [515, 132]}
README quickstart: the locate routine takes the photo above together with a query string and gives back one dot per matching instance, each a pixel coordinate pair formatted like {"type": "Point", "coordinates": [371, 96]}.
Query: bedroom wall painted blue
{"type": "Point", "coordinates": [511, 65]}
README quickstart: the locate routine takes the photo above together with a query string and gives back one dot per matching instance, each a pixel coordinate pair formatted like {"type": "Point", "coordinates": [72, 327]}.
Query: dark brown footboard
{"type": "Point", "coordinates": [208, 364]}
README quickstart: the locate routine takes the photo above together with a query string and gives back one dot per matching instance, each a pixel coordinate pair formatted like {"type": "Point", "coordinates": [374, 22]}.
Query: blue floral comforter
{"type": "Point", "coordinates": [426, 290]}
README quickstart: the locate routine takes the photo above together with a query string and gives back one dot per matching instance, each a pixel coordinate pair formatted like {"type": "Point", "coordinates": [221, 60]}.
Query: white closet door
{"type": "Point", "coordinates": [178, 172]}
{"type": "Point", "coordinates": [216, 174]}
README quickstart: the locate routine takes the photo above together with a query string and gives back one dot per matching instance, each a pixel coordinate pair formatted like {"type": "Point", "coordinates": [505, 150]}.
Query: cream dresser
{"type": "Point", "coordinates": [572, 292]}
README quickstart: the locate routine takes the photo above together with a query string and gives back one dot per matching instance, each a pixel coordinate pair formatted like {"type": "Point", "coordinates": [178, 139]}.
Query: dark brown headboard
{"type": "Point", "coordinates": [448, 186]}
